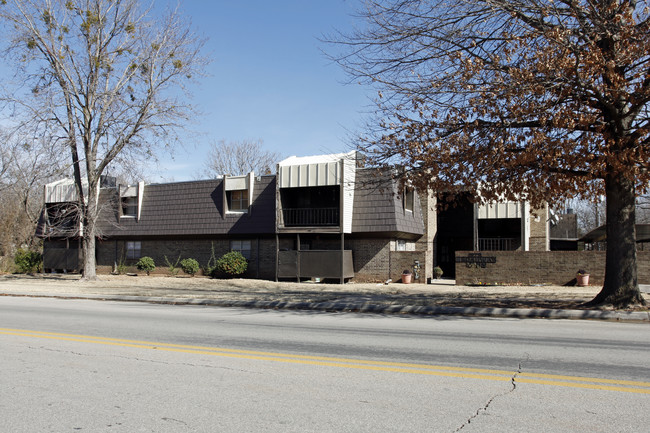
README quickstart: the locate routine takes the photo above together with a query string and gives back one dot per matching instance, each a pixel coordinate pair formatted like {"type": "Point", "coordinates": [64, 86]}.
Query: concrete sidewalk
{"type": "Point", "coordinates": [441, 298]}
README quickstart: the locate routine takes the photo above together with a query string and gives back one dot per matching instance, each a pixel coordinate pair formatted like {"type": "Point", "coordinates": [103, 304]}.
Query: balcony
{"type": "Point", "coordinates": [499, 244]}
{"type": "Point", "coordinates": [311, 217]}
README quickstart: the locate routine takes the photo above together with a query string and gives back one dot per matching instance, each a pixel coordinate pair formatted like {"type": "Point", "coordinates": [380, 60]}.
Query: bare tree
{"type": "Point", "coordinates": [105, 77]}
{"type": "Point", "coordinates": [643, 209]}
{"type": "Point", "coordinates": [26, 163]}
{"type": "Point", "coordinates": [528, 99]}
{"type": "Point", "coordinates": [239, 157]}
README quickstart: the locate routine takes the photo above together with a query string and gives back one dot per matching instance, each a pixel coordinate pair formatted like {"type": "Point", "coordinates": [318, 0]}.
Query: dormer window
{"type": "Point", "coordinates": [237, 200]}
{"type": "Point", "coordinates": [130, 207]}
{"type": "Point", "coordinates": [237, 193]}
{"type": "Point", "coordinates": [131, 200]}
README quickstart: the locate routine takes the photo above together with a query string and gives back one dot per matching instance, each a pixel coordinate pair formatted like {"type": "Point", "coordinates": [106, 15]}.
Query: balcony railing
{"type": "Point", "coordinates": [308, 217]}
{"type": "Point", "coordinates": [498, 244]}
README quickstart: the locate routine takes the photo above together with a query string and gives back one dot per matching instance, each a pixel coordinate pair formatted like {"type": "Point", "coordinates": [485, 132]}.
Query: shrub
{"type": "Point", "coordinates": [232, 263]}
{"type": "Point", "coordinates": [28, 261]}
{"type": "Point", "coordinates": [146, 264]}
{"type": "Point", "coordinates": [437, 272]}
{"type": "Point", "coordinates": [190, 266]}
{"type": "Point", "coordinates": [172, 268]}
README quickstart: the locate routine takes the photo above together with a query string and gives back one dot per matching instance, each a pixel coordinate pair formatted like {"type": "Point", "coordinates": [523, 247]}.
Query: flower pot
{"type": "Point", "coordinates": [582, 280]}
{"type": "Point", "coordinates": [406, 278]}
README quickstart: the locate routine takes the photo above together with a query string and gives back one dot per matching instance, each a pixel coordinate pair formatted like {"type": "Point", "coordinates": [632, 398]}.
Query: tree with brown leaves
{"type": "Point", "coordinates": [521, 99]}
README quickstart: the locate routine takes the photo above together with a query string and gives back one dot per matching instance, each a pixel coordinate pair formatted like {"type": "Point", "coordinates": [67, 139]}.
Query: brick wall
{"type": "Point", "coordinates": [427, 242]}
{"type": "Point", "coordinates": [401, 260]}
{"type": "Point", "coordinates": [540, 267]}
{"type": "Point", "coordinates": [371, 258]}
{"type": "Point", "coordinates": [539, 229]}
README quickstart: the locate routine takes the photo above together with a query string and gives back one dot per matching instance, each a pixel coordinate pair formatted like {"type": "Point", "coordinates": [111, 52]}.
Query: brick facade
{"type": "Point", "coordinates": [371, 258]}
{"type": "Point", "coordinates": [401, 260]}
{"type": "Point", "coordinates": [539, 230]}
{"type": "Point", "coordinates": [542, 267]}
{"type": "Point", "coordinates": [427, 242]}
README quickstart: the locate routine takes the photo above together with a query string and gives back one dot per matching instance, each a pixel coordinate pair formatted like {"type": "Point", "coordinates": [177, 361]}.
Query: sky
{"type": "Point", "coordinates": [269, 80]}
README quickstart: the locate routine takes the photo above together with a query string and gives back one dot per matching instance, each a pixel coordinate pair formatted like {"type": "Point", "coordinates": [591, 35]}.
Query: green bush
{"type": "Point", "coordinates": [437, 272]}
{"type": "Point", "coordinates": [146, 264]}
{"type": "Point", "coordinates": [232, 263]}
{"type": "Point", "coordinates": [28, 262]}
{"type": "Point", "coordinates": [190, 266]}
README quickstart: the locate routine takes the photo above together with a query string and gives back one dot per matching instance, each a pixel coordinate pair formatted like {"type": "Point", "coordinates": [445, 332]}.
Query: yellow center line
{"type": "Point", "coordinates": [398, 367]}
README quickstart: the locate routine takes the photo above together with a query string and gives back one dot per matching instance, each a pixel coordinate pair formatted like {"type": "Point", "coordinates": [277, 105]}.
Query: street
{"type": "Point", "coordinates": [77, 365]}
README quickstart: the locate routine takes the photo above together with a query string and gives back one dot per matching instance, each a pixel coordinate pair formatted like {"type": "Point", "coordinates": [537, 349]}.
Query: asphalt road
{"type": "Point", "coordinates": [71, 365]}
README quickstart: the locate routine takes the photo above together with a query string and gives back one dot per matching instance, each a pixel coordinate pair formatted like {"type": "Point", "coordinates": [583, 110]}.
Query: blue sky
{"type": "Point", "coordinates": [269, 80]}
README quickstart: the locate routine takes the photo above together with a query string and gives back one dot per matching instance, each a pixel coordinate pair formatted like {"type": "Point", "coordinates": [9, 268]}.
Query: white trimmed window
{"type": "Point", "coordinates": [244, 247]}
{"type": "Point", "coordinates": [237, 200]}
{"type": "Point", "coordinates": [129, 206]}
{"type": "Point", "coordinates": [133, 249]}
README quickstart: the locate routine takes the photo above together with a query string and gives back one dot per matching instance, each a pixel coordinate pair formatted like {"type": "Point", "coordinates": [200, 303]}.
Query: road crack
{"type": "Point", "coordinates": [486, 406]}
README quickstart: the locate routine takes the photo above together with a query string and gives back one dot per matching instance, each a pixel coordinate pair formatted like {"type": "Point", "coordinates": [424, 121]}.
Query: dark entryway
{"type": "Point", "coordinates": [455, 230]}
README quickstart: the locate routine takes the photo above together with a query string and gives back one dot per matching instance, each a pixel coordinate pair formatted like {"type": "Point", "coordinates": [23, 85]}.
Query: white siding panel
{"type": "Point", "coordinates": [317, 174]}
{"type": "Point", "coordinates": [128, 191]}
{"type": "Point", "coordinates": [62, 191]}
{"type": "Point", "coordinates": [508, 209]}
{"type": "Point", "coordinates": [303, 177]}
{"type": "Point", "coordinates": [322, 173]}
{"type": "Point", "coordinates": [349, 174]}
{"type": "Point", "coordinates": [236, 183]}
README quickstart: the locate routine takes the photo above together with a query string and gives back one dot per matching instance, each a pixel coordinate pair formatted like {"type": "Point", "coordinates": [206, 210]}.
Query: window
{"type": "Point", "coordinates": [402, 245]}
{"type": "Point", "coordinates": [133, 249]}
{"type": "Point", "coordinates": [237, 200]}
{"type": "Point", "coordinates": [409, 199]}
{"type": "Point", "coordinates": [244, 247]}
{"type": "Point", "coordinates": [129, 206]}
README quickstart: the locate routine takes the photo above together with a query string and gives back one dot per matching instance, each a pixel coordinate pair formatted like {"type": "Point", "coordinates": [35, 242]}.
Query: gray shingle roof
{"type": "Point", "coordinates": [195, 209]}
{"type": "Point", "coordinates": [378, 207]}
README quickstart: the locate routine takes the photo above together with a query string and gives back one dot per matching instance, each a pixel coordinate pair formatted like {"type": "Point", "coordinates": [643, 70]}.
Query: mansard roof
{"type": "Point", "coordinates": [194, 209]}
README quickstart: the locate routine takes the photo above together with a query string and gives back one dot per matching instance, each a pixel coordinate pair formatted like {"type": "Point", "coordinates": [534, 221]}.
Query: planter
{"type": "Point", "coordinates": [582, 280]}
{"type": "Point", "coordinates": [406, 278]}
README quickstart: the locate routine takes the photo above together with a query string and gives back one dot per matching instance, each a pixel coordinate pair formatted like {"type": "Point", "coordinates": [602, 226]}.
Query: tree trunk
{"type": "Point", "coordinates": [90, 264]}
{"type": "Point", "coordinates": [621, 287]}
{"type": "Point", "coordinates": [89, 234]}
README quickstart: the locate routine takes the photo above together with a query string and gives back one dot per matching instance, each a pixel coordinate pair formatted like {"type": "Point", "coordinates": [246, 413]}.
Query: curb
{"type": "Point", "coordinates": [366, 307]}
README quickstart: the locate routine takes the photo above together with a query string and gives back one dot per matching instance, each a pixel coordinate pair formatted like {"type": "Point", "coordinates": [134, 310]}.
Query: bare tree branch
{"type": "Point", "coordinates": [239, 157]}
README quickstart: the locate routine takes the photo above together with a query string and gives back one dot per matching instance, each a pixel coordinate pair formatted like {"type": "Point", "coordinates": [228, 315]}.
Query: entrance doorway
{"type": "Point", "coordinates": [455, 230]}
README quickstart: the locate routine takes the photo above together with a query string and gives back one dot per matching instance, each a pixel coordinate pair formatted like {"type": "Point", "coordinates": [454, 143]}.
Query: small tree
{"type": "Point", "coordinates": [211, 266]}
{"type": "Point", "coordinates": [190, 266]}
{"type": "Point", "coordinates": [146, 264]}
{"type": "Point", "coordinates": [232, 264]}
{"type": "Point", "coordinates": [172, 268]}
